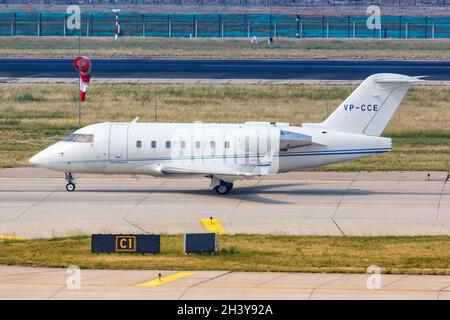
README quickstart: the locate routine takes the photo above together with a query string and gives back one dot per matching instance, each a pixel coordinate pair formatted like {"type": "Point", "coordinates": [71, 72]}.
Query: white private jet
{"type": "Point", "coordinates": [229, 152]}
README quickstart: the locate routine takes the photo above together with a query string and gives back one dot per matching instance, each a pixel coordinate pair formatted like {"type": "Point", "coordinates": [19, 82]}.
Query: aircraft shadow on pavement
{"type": "Point", "coordinates": [251, 194]}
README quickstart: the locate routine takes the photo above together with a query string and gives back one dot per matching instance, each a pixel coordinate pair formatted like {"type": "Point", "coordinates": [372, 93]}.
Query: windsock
{"type": "Point", "coordinates": [83, 66]}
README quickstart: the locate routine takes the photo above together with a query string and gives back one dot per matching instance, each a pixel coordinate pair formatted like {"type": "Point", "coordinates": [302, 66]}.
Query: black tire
{"type": "Point", "coordinates": [70, 187]}
{"type": "Point", "coordinates": [223, 188]}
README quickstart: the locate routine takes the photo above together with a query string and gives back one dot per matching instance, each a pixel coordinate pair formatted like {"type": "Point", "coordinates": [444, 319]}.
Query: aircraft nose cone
{"type": "Point", "coordinates": [34, 159]}
{"type": "Point", "coordinates": [40, 159]}
{"type": "Point", "coordinates": [47, 157]}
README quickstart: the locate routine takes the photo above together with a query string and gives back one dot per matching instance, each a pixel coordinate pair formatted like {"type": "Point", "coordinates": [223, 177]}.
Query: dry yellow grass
{"type": "Point", "coordinates": [405, 255]}
{"type": "Point", "coordinates": [32, 117]}
{"type": "Point", "coordinates": [424, 108]}
{"type": "Point", "coordinates": [213, 48]}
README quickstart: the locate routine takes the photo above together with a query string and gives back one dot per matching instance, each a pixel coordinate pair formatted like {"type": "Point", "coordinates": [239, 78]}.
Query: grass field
{"type": "Point", "coordinates": [216, 48]}
{"type": "Point", "coordinates": [406, 255]}
{"type": "Point", "coordinates": [32, 117]}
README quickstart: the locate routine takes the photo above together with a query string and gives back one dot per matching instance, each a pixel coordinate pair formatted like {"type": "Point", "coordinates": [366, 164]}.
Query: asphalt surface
{"type": "Point", "coordinates": [223, 69]}
{"type": "Point", "coordinates": [47, 283]}
{"type": "Point", "coordinates": [34, 203]}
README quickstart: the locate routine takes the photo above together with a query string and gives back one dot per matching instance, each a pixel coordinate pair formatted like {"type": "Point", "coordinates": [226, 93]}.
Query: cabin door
{"type": "Point", "coordinates": [118, 138]}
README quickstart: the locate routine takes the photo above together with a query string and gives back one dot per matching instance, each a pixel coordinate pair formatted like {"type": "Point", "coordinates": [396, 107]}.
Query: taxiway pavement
{"type": "Point", "coordinates": [34, 203]}
{"type": "Point", "coordinates": [224, 68]}
{"type": "Point", "coordinates": [48, 283]}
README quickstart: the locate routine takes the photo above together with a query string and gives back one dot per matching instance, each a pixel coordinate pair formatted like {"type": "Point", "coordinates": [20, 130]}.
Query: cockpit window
{"type": "Point", "coordinates": [89, 138]}
{"type": "Point", "coordinates": [84, 138]}
{"type": "Point", "coordinates": [69, 138]}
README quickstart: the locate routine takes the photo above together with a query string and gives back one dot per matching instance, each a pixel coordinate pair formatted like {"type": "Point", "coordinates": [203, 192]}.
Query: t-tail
{"type": "Point", "coordinates": [370, 107]}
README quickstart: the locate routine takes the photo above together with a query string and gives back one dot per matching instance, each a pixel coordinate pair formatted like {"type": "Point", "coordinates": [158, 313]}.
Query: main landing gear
{"type": "Point", "coordinates": [223, 188]}
{"type": "Point", "coordinates": [70, 186]}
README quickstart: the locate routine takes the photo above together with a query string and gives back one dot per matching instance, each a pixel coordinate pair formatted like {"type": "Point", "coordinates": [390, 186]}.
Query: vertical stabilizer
{"type": "Point", "coordinates": [370, 107]}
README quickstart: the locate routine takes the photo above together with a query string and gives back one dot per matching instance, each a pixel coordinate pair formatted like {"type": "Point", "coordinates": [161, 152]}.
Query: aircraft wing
{"type": "Point", "coordinates": [219, 170]}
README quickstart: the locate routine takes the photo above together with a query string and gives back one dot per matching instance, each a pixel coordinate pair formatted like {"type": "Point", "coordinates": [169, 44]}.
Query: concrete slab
{"type": "Point", "coordinates": [46, 283]}
{"type": "Point", "coordinates": [34, 203]}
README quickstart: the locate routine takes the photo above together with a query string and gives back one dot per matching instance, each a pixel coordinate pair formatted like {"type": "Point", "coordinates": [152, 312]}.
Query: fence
{"type": "Point", "coordinates": [237, 3]}
{"type": "Point", "coordinates": [20, 23]}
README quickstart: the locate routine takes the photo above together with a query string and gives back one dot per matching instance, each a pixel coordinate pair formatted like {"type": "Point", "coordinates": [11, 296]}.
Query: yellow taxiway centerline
{"type": "Point", "coordinates": [213, 225]}
{"type": "Point", "coordinates": [161, 280]}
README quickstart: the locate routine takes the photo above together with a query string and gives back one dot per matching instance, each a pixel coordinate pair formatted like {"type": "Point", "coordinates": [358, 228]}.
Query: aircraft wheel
{"type": "Point", "coordinates": [223, 188]}
{"type": "Point", "coordinates": [70, 187]}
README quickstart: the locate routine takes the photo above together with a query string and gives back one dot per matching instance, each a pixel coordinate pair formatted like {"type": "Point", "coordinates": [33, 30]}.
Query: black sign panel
{"type": "Point", "coordinates": [199, 242]}
{"type": "Point", "coordinates": [125, 243]}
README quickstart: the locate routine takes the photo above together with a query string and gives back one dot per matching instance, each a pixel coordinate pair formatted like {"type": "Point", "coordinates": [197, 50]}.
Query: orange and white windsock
{"type": "Point", "coordinates": [83, 66]}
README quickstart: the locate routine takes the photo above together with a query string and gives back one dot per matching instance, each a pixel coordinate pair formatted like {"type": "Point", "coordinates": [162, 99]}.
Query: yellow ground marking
{"type": "Point", "coordinates": [6, 237]}
{"type": "Point", "coordinates": [159, 281]}
{"type": "Point", "coordinates": [213, 225]}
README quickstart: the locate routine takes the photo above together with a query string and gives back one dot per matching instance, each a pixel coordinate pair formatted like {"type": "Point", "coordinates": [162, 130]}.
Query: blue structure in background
{"type": "Point", "coordinates": [20, 23]}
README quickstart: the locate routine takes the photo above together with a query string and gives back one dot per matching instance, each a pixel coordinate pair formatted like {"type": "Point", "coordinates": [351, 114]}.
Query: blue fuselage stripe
{"type": "Point", "coordinates": [284, 154]}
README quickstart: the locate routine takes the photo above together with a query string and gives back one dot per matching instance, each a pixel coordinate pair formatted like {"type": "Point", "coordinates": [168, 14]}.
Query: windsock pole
{"type": "Point", "coordinates": [73, 22]}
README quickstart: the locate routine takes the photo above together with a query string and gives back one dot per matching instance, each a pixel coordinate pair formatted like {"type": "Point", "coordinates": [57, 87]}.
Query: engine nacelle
{"type": "Point", "coordinates": [291, 140]}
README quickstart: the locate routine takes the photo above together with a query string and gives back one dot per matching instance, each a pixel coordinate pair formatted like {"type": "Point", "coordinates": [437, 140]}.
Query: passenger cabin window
{"type": "Point", "coordinates": [138, 144]}
{"type": "Point", "coordinates": [167, 144]}
{"type": "Point", "coordinates": [183, 144]}
{"type": "Point", "coordinates": [197, 144]}
{"type": "Point", "coordinates": [227, 144]}
{"type": "Point", "coordinates": [153, 144]}
{"type": "Point", "coordinates": [89, 138]}
{"type": "Point", "coordinates": [213, 144]}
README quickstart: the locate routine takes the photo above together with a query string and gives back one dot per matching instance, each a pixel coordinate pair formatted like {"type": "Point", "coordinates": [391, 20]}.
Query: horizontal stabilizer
{"type": "Point", "coordinates": [399, 79]}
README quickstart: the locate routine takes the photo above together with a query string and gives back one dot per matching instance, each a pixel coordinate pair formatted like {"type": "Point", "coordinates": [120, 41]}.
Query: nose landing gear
{"type": "Point", "coordinates": [70, 186]}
